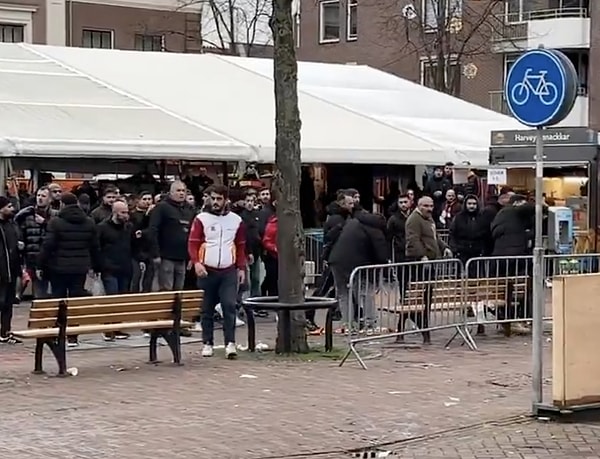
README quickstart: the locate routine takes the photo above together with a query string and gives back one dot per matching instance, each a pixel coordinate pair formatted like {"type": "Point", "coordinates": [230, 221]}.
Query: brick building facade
{"type": "Point", "coordinates": [408, 38]}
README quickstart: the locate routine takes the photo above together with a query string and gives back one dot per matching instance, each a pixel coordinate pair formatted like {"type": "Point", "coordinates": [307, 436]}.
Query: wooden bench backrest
{"type": "Point", "coordinates": [468, 290]}
{"type": "Point", "coordinates": [100, 310]}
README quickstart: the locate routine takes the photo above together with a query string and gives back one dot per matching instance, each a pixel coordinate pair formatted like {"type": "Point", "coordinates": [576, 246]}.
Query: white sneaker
{"type": "Point", "coordinates": [230, 351]}
{"type": "Point", "coordinates": [207, 351]}
{"type": "Point", "coordinates": [197, 327]}
{"type": "Point", "coordinates": [239, 322]}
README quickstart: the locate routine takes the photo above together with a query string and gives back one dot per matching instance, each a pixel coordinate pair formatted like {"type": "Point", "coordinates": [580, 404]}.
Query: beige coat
{"type": "Point", "coordinates": [421, 238]}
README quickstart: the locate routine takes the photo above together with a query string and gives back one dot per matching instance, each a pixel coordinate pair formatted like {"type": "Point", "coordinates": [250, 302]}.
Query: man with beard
{"type": "Point", "coordinates": [249, 216]}
{"type": "Point", "coordinates": [396, 228]}
{"type": "Point", "coordinates": [115, 236]}
{"type": "Point", "coordinates": [55, 196]}
{"type": "Point", "coordinates": [32, 223]}
{"type": "Point", "coordinates": [10, 269]}
{"type": "Point", "coordinates": [217, 250]}
{"type": "Point", "coordinates": [422, 244]}
{"type": "Point", "coordinates": [436, 188]}
{"type": "Point", "coordinates": [70, 250]}
{"type": "Point", "coordinates": [169, 230]}
{"type": "Point", "coordinates": [104, 210]}
{"type": "Point", "coordinates": [468, 232]}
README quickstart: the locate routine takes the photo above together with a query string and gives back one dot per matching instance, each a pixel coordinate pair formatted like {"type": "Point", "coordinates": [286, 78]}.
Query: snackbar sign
{"type": "Point", "coordinates": [556, 137]}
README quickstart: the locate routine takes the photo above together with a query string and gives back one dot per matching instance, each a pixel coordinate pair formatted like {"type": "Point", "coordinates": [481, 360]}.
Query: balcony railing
{"type": "Point", "coordinates": [514, 25]}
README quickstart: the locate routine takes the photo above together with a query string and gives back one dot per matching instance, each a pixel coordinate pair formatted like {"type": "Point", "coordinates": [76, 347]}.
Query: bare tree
{"type": "Point", "coordinates": [290, 236]}
{"type": "Point", "coordinates": [447, 36]}
{"type": "Point", "coordinates": [235, 26]}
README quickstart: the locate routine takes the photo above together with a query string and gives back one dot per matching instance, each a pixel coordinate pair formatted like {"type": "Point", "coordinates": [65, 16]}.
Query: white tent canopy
{"type": "Point", "coordinates": [447, 120]}
{"type": "Point", "coordinates": [70, 101]}
{"type": "Point", "coordinates": [217, 92]}
{"type": "Point", "coordinates": [48, 110]}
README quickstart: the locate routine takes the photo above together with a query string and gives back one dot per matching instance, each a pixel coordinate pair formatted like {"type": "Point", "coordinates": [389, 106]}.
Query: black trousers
{"type": "Point", "coordinates": [68, 285]}
{"type": "Point", "coordinates": [7, 299]}
{"type": "Point", "coordinates": [269, 286]}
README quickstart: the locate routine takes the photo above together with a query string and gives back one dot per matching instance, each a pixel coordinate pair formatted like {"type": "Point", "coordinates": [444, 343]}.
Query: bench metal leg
{"type": "Point", "coordinates": [173, 339]}
{"type": "Point", "coordinates": [251, 325]}
{"type": "Point", "coordinates": [329, 331]}
{"type": "Point", "coordinates": [152, 346]}
{"type": "Point", "coordinates": [38, 364]}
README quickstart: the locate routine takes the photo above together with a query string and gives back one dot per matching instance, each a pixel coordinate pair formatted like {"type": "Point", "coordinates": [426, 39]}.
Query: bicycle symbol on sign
{"type": "Point", "coordinates": [535, 85]}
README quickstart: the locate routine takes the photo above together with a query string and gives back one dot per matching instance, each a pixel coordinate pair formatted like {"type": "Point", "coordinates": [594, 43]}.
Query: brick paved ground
{"type": "Point", "coordinates": [119, 407]}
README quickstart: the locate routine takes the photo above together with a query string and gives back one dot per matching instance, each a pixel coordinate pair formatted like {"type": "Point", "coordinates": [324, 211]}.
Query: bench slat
{"type": "Point", "coordinates": [117, 307]}
{"type": "Point", "coordinates": [92, 329]}
{"type": "Point", "coordinates": [121, 317]}
{"type": "Point", "coordinates": [126, 298]}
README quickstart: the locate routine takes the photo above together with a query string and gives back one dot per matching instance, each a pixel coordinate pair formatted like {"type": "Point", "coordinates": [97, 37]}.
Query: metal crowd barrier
{"type": "Point", "coordinates": [394, 300]}
{"type": "Point", "coordinates": [313, 240]}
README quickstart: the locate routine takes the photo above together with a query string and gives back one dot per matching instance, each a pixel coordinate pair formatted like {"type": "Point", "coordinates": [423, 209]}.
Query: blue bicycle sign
{"type": "Point", "coordinates": [541, 87]}
{"type": "Point", "coordinates": [534, 85]}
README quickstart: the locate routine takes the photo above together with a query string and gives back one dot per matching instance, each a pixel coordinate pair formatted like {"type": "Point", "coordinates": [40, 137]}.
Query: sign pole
{"type": "Point", "coordinates": [538, 276]}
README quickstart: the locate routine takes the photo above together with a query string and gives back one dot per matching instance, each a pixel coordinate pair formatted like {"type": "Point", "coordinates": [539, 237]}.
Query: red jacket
{"type": "Point", "coordinates": [270, 237]}
{"type": "Point", "coordinates": [218, 241]}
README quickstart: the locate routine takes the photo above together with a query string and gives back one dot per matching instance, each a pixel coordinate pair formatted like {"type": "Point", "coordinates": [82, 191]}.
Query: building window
{"type": "Point", "coordinates": [432, 14]}
{"type": "Point", "coordinates": [448, 83]}
{"type": "Point", "coordinates": [149, 42]}
{"type": "Point", "coordinates": [12, 33]}
{"type": "Point", "coordinates": [97, 39]}
{"type": "Point", "coordinates": [329, 21]}
{"type": "Point", "coordinates": [352, 20]}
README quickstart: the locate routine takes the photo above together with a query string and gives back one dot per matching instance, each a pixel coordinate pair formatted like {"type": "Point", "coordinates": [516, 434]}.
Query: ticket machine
{"type": "Point", "coordinates": [560, 230]}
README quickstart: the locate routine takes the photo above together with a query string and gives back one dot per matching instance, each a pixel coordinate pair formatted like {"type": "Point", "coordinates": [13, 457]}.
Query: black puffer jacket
{"type": "Point", "coordinates": [332, 228]}
{"type": "Point", "coordinates": [33, 232]}
{"type": "Point", "coordinates": [169, 229]}
{"type": "Point", "coordinates": [10, 259]}
{"type": "Point", "coordinates": [362, 242]}
{"type": "Point", "coordinates": [396, 234]}
{"type": "Point", "coordinates": [71, 244]}
{"type": "Point", "coordinates": [468, 233]}
{"type": "Point", "coordinates": [116, 247]}
{"type": "Point", "coordinates": [511, 230]}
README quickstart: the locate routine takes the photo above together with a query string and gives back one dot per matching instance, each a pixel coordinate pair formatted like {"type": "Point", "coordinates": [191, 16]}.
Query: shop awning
{"type": "Point", "coordinates": [220, 93]}
{"type": "Point", "coordinates": [50, 110]}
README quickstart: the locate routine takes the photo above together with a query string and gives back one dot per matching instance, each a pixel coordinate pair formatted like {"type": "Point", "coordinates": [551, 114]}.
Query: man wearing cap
{"type": "Point", "coordinates": [10, 268]}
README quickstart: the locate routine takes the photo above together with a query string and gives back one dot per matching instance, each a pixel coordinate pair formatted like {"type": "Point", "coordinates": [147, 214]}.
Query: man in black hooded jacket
{"type": "Point", "coordinates": [468, 232]}
{"type": "Point", "coordinates": [69, 251]}
{"type": "Point", "coordinates": [362, 242]}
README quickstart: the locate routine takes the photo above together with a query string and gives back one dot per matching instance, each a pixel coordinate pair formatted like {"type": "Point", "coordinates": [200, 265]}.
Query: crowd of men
{"type": "Point", "coordinates": [502, 227]}
{"type": "Point", "coordinates": [136, 244]}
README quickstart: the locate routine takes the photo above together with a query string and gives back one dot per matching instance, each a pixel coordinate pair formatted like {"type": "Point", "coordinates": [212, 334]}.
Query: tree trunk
{"type": "Point", "coordinates": [286, 183]}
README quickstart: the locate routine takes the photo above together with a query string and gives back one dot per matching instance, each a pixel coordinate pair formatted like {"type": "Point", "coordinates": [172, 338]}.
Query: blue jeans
{"type": "Point", "coordinates": [115, 284]}
{"type": "Point", "coordinates": [219, 287]}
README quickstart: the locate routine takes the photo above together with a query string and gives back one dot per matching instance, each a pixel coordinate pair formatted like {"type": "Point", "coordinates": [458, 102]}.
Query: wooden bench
{"type": "Point", "coordinates": [161, 314]}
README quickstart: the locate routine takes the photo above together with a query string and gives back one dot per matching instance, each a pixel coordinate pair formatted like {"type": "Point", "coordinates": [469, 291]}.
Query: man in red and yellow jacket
{"type": "Point", "coordinates": [217, 249]}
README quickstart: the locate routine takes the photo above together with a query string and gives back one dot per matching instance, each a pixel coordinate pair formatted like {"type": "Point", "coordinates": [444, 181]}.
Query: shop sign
{"type": "Point", "coordinates": [496, 177]}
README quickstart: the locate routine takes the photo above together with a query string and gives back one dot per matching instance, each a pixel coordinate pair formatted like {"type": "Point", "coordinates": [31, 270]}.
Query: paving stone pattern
{"type": "Point", "coordinates": [120, 407]}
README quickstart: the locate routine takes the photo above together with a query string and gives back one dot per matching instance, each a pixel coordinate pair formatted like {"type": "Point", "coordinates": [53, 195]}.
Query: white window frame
{"type": "Point", "coordinates": [322, 22]}
{"type": "Point", "coordinates": [425, 4]}
{"type": "Point", "coordinates": [19, 16]}
{"type": "Point", "coordinates": [351, 8]}
{"type": "Point", "coordinates": [520, 15]}
{"type": "Point", "coordinates": [92, 29]}
{"type": "Point", "coordinates": [425, 62]}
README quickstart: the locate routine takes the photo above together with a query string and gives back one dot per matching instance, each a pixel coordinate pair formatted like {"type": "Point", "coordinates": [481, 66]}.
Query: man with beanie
{"type": "Point", "coordinates": [10, 268]}
{"type": "Point", "coordinates": [69, 251]}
